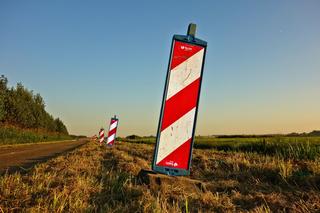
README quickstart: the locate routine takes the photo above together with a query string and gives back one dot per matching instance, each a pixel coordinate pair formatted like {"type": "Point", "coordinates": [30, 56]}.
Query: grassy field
{"type": "Point", "coordinates": [100, 179]}
{"type": "Point", "coordinates": [295, 148]}
{"type": "Point", "coordinates": [15, 135]}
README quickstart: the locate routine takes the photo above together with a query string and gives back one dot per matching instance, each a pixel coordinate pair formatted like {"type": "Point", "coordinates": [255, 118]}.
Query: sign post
{"type": "Point", "coordinates": [112, 131]}
{"type": "Point", "coordinates": [176, 130]}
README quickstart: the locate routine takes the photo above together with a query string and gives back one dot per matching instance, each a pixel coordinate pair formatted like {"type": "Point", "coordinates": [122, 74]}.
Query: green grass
{"type": "Point", "coordinates": [142, 140]}
{"type": "Point", "coordinates": [296, 148]}
{"type": "Point", "coordinates": [14, 135]}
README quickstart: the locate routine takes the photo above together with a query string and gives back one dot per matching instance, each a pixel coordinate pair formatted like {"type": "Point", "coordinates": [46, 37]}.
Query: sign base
{"type": "Point", "coordinates": [157, 181]}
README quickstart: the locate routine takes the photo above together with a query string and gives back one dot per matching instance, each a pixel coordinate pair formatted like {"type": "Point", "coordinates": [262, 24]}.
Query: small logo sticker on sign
{"type": "Point", "coordinates": [171, 163]}
{"type": "Point", "coordinates": [186, 48]}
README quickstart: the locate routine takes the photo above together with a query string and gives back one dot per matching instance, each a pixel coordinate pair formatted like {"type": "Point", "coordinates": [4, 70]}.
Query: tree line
{"type": "Point", "coordinates": [20, 107]}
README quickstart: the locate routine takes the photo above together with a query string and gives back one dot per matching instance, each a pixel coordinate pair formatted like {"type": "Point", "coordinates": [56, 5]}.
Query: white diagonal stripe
{"type": "Point", "coordinates": [185, 73]}
{"type": "Point", "coordinates": [175, 135]}
{"type": "Point", "coordinates": [111, 138]}
{"type": "Point", "coordinates": [114, 125]}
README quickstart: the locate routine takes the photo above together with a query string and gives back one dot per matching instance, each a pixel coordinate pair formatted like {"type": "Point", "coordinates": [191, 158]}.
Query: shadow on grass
{"type": "Point", "coordinates": [253, 184]}
{"type": "Point", "coordinates": [240, 187]}
{"type": "Point", "coordinates": [116, 195]}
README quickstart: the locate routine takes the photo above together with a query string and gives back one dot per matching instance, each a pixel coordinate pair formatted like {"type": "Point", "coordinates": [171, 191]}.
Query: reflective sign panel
{"type": "Point", "coordinates": [179, 108]}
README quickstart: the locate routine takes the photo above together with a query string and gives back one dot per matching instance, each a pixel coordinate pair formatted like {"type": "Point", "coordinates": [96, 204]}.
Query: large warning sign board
{"type": "Point", "coordinates": [180, 106]}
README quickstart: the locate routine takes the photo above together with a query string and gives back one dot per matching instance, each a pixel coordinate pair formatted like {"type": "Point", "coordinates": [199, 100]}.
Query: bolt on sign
{"type": "Point", "coordinates": [112, 131]}
{"type": "Point", "coordinates": [176, 130]}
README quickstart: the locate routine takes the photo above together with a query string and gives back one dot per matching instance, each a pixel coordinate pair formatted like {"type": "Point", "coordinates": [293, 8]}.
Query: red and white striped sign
{"type": "Point", "coordinates": [176, 130]}
{"type": "Point", "coordinates": [101, 136]}
{"type": "Point", "coordinates": [112, 131]}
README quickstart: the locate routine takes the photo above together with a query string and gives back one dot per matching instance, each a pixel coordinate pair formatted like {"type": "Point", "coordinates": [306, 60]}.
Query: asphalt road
{"type": "Point", "coordinates": [23, 157]}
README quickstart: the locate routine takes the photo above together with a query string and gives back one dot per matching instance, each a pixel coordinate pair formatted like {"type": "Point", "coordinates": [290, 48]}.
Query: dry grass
{"type": "Point", "coordinates": [64, 183]}
{"type": "Point", "coordinates": [100, 179]}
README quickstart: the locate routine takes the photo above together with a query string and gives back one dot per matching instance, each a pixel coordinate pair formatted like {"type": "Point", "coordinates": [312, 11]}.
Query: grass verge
{"type": "Point", "coordinates": [15, 135]}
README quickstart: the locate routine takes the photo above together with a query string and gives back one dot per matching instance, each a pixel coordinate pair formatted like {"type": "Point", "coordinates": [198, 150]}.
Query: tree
{"type": "Point", "coordinates": [60, 127]}
{"type": "Point", "coordinates": [3, 91]}
{"type": "Point", "coordinates": [20, 107]}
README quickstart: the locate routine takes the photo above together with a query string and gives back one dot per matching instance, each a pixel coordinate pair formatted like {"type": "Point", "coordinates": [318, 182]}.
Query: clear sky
{"type": "Point", "coordinates": [90, 60]}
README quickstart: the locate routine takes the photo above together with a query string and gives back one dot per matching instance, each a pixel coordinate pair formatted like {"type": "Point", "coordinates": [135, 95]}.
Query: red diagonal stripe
{"type": "Point", "coordinates": [112, 121]}
{"type": "Point", "coordinates": [178, 156]}
{"type": "Point", "coordinates": [111, 132]}
{"type": "Point", "coordinates": [182, 51]}
{"type": "Point", "coordinates": [180, 104]}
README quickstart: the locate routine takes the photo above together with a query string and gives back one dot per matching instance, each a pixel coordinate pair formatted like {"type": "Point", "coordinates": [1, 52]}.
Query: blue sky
{"type": "Point", "coordinates": [92, 59]}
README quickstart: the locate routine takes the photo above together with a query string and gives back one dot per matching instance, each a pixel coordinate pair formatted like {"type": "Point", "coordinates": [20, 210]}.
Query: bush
{"type": "Point", "coordinates": [13, 135]}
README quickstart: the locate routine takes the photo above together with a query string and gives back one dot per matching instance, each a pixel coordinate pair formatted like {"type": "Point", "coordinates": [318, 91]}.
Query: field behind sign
{"type": "Point", "coordinates": [287, 147]}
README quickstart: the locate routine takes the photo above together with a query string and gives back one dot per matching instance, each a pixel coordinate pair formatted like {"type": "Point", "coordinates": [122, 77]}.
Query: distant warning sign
{"type": "Point", "coordinates": [101, 136]}
{"type": "Point", "coordinates": [112, 131]}
{"type": "Point", "coordinates": [180, 105]}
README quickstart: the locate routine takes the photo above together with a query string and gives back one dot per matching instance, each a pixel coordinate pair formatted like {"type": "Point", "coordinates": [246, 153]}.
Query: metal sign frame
{"type": "Point", "coordinates": [188, 39]}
